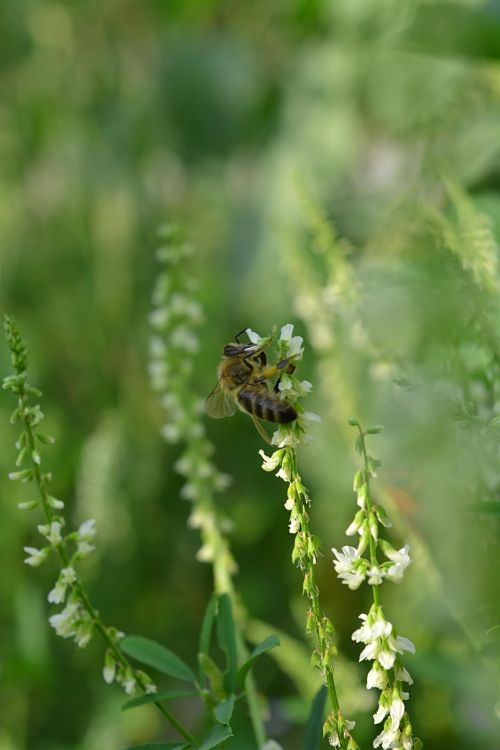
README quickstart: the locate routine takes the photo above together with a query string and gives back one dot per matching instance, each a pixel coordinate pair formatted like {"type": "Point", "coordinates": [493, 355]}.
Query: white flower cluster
{"type": "Point", "coordinates": [290, 388]}
{"type": "Point", "coordinates": [382, 645]}
{"type": "Point", "coordinates": [73, 621]}
{"type": "Point", "coordinates": [174, 320]}
{"type": "Point", "coordinates": [351, 567]}
{"type": "Point", "coordinates": [387, 674]}
{"type": "Point", "coordinates": [121, 672]}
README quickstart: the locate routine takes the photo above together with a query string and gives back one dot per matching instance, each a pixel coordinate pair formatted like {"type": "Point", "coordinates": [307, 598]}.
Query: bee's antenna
{"type": "Point", "coordinates": [238, 335]}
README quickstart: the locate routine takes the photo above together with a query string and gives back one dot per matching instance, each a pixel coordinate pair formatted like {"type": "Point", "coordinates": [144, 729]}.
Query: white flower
{"type": "Point", "coordinates": [386, 739]}
{"type": "Point", "coordinates": [108, 673]}
{"type": "Point", "coordinates": [356, 524]}
{"type": "Point", "coordinates": [271, 462]}
{"type": "Point", "coordinates": [350, 568]}
{"type": "Point", "coordinates": [402, 675]}
{"type": "Point", "coordinates": [377, 677]}
{"type": "Point", "coordinates": [284, 473]}
{"type": "Point", "coordinates": [401, 560]}
{"type": "Point", "coordinates": [293, 344]}
{"type": "Point", "coordinates": [205, 553]}
{"type": "Point", "coordinates": [271, 745]}
{"type": "Point", "coordinates": [87, 530]}
{"type": "Point", "coordinates": [67, 576]}
{"type": "Point", "coordinates": [380, 714]}
{"type": "Point", "coordinates": [396, 712]}
{"type": "Point", "coordinates": [284, 436]}
{"type": "Point", "coordinates": [83, 549]}
{"type": "Point", "coordinates": [171, 432]}
{"type": "Point", "coordinates": [375, 576]}
{"type": "Point", "coordinates": [64, 622]}
{"type": "Point", "coordinates": [369, 652]}
{"type": "Point", "coordinates": [254, 337]}
{"type": "Point", "coordinates": [294, 524]}
{"type": "Point", "coordinates": [289, 503]}
{"type": "Point", "coordinates": [386, 656]}
{"type": "Point", "coordinates": [362, 494]}
{"type": "Point", "coordinates": [35, 556]}
{"type": "Point", "coordinates": [404, 644]}
{"type": "Point", "coordinates": [52, 532]}
{"type": "Point", "coordinates": [286, 385]}
{"type": "Point", "coordinates": [345, 558]}
{"type": "Point", "coordinates": [304, 387]}
{"type": "Point", "coordinates": [83, 632]}
{"type": "Point", "coordinates": [109, 669]}
{"type": "Point", "coordinates": [222, 481]}
{"type": "Point", "coordinates": [310, 416]}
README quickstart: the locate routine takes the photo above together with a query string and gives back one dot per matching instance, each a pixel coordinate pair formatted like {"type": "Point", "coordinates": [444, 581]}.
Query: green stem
{"type": "Point", "coordinates": [369, 507]}
{"type": "Point", "coordinates": [313, 594]}
{"type": "Point", "coordinates": [77, 586]}
{"type": "Point", "coordinates": [223, 585]}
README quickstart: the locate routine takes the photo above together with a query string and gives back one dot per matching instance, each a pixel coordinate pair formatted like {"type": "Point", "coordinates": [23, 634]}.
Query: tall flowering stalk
{"type": "Point", "coordinates": [374, 561]}
{"type": "Point", "coordinates": [306, 546]}
{"type": "Point", "coordinates": [77, 619]}
{"type": "Point", "coordinates": [175, 320]}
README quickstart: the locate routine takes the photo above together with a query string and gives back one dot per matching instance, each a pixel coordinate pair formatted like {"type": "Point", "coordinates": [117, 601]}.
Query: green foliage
{"type": "Point", "coordinates": [157, 656]}
{"type": "Point", "coordinates": [336, 165]}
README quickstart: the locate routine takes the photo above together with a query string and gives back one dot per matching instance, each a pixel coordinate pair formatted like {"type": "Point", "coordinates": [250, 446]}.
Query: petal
{"type": "Point", "coordinates": [286, 332]}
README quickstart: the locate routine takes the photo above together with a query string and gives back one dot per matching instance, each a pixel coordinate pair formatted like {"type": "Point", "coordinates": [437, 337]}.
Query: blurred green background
{"type": "Point", "coordinates": [337, 165]}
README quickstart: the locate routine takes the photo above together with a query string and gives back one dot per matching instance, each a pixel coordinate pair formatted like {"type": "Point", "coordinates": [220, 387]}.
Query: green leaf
{"type": "Point", "coordinates": [226, 637]}
{"type": "Point", "coordinates": [165, 695]}
{"type": "Point", "coordinates": [268, 643]}
{"type": "Point", "coordinates": [314, 726]}
{"type": "Point", "coordinates": [353, 422]}
{"type": "Point", "coordinates": [155, 655]}
{"type": "Point", "coordinates": [215, 677]}
{"type": "Point", "coordinates": [207, 627]}
{"type": "Point", "coordinates": [216, 737]}
{"type": "Point", "coordinates": [160, 746]}
{"type": "Point", "coordinates": [358, 445]}
{"type": "Point", "coordinates": [224, 710]}
{"type": "Point", "coordinates": [375, 429]}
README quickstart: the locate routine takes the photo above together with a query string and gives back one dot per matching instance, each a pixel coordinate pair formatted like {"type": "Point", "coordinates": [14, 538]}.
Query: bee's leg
{"type": "Point", "coordinates": [271, 370]}
{"type": "Point", "coordinates": [290, 368]}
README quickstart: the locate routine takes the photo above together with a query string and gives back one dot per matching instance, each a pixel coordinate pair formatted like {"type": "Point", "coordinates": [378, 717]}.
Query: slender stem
{"type": "Point", "coordinates": [223, 584]}
{"type": "Point", "coordinates": [40, 481]}
{"type": "Point", "coordinates": [308, 562]}
{"type": "Point", "coordinates": [369, 506]}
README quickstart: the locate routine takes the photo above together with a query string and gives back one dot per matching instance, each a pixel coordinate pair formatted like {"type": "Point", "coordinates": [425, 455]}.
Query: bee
{"type": "Point", "coordinates": [241, 384]}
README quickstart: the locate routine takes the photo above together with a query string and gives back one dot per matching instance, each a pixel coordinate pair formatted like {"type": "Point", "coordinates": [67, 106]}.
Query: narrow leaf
{"type": "Point", "coordinates": [227, 638]}
{"type": "Point", "coordinates": [268, 643]}
{"type": "Point", "coordinates": [165, 695]}
{"type": "Point", "coordinates": [207, 627]}
{"type": "Point", "coordinates": [160, 746]}
{"type": "Point", "coordinates": [224, 710]}
{"type": "Point", "coordinates": [155, 655]}
{"type": "Point", "coordinates": [314, 726]}
{"type": "Point", "coordinates": [213, 674]}
{"type": "Point", "coordinates": [216, 737]}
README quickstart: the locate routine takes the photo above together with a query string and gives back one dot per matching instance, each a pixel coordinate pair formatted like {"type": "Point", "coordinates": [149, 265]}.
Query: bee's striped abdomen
{"type": "Point", "coordinates": [265, 405]}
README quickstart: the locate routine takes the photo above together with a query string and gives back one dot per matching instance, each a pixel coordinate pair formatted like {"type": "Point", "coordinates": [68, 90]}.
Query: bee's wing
{"type": "Point", "coordinates": [219, 404]}
{"type": "Point", "coordinates": [261, 429]}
